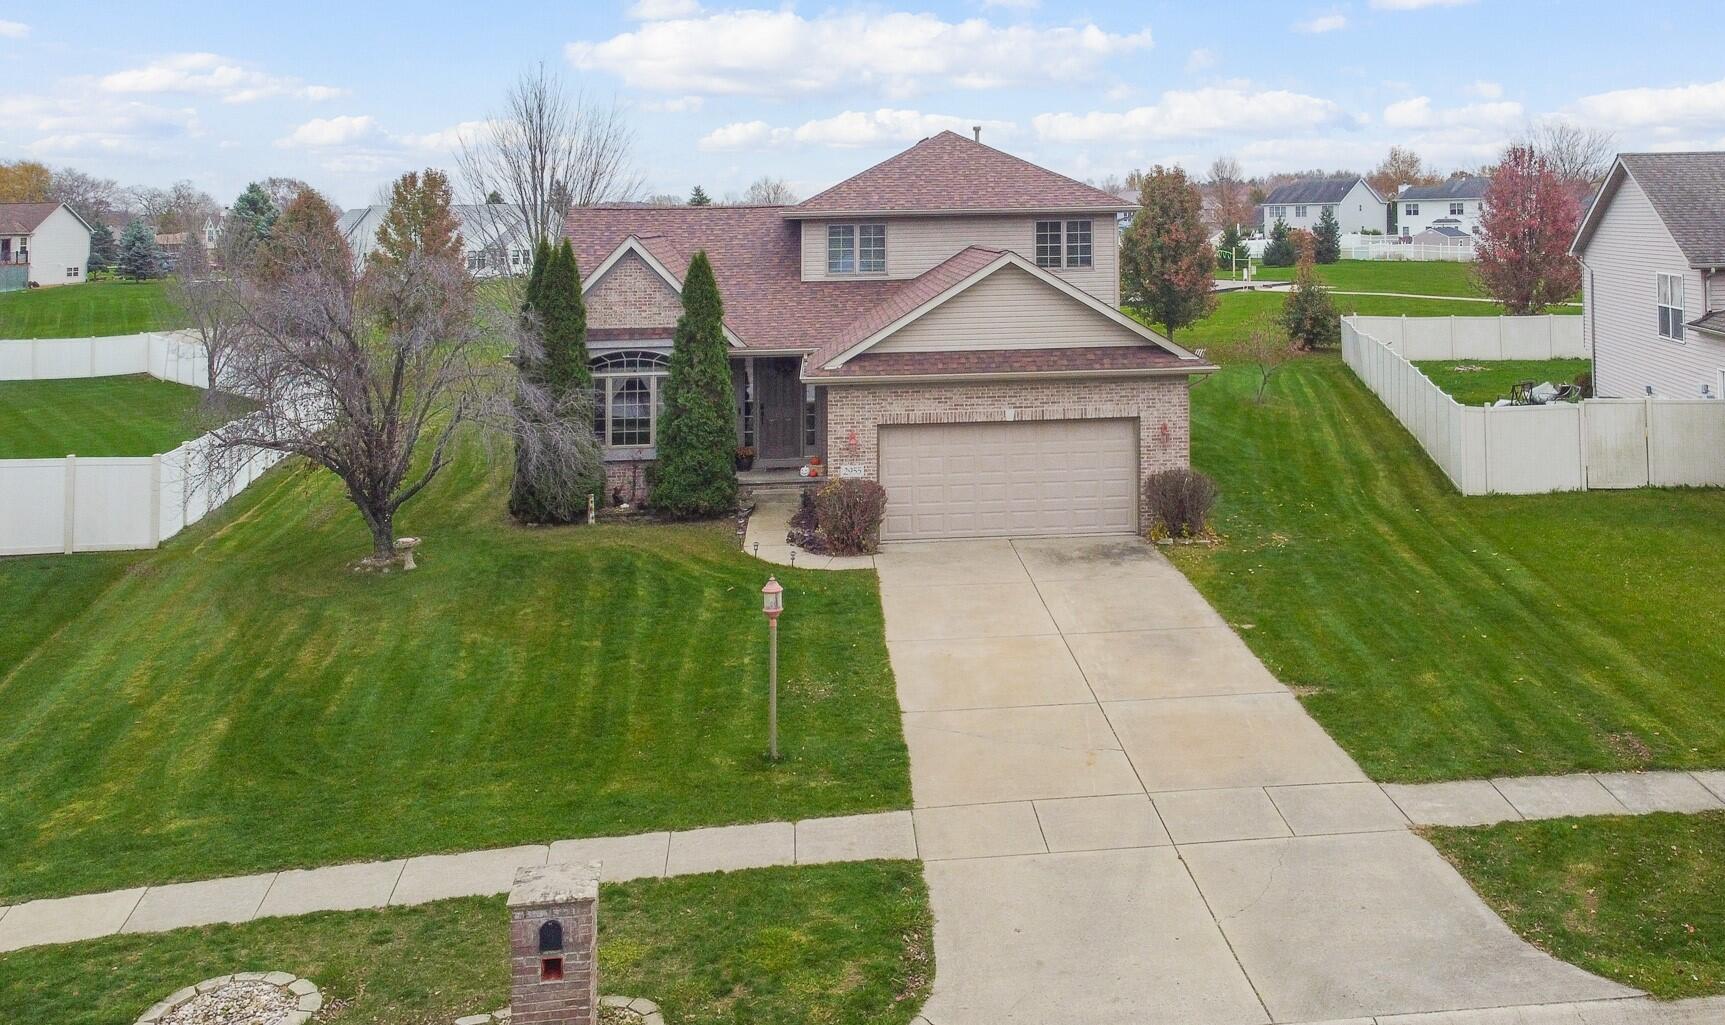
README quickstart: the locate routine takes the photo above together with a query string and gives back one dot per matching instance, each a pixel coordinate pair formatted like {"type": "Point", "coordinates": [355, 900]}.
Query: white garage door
{"type": "Point", "coordinates": [1009, 479]}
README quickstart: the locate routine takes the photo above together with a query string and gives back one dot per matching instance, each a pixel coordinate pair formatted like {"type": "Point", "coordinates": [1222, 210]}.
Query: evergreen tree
{"type": "Point", "coordinates": [1309, 315]}
{"type": "Point", "coordinates": [1327, 237]}
{"type": "Point", "coordinates": [1166, 263]}
{"type": "Point", "coordinates": [493, 197]}
{"type": "Point", "coordinates": [139, 259]}
{"type": "Point", "coordinates": [251, 217]}
{"type": "Point", "coordinates": [1280, 251]}
{"type": "Point", "coordinates": [552, 484]}
{"type": "Point", "coordinates": [103, 249]}
{"type": "Point", "coordinates": [699, 197]}
{"type": "Point", "coordinates": [695, 474]}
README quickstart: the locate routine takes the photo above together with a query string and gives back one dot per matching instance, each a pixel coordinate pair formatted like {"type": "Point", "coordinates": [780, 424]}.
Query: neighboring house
{"type": "Point", "coordinates": [1357, 205]}
{"type": "Point", "coordinates": [42, 244]}
{"type": "Point", "coordinates": [1653, 248]}
{"type": "Point", "coordinates": [945, 322]}
{"type": "Point", "coordinates": [211, 233]}
{"type": "Point", "coordinates": [1457, 204]}
{"type": "Point", "coordinates": [493, 237]}
{"type": "Point", "coordinates": [1442, 234]}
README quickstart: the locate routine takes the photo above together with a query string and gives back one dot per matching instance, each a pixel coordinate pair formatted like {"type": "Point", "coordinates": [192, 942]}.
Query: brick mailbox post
{"type": "Point", "coordinates": [553, 942]}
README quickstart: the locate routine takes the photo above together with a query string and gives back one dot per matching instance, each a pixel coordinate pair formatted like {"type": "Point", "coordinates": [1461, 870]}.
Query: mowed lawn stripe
{"type": "Point", "coordinates": [133, 415]}
{"type": "Point", "coordinates": [1442, 637]}
{"type": "Point", "coordinates": [93, 309]}
{"type": "Point", "coordinates": [241, 700]}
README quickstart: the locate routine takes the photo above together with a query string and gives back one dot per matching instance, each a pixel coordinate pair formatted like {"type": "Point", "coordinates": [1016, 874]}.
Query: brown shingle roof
{"type": "Point", "coordinates": [1074, 360]}
{"type": "Point", "coordinates": [24, 218]}
{"type": "Point", "coordinates": [914, 293]}
{"type": "Point", "coordinates": [948, 173]}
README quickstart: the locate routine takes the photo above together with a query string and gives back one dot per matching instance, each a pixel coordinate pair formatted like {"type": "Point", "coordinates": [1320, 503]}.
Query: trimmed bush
{"type": "Point", "coordinates": [1178, 503]}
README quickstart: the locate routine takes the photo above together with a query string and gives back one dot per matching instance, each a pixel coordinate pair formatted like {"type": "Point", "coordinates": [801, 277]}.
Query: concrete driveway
{"type": "Point", "coordinates": [1125, 817]}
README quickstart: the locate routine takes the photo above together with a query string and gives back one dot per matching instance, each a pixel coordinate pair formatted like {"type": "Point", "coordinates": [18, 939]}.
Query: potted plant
{"type": "Point", "coordinates": [745, 457]}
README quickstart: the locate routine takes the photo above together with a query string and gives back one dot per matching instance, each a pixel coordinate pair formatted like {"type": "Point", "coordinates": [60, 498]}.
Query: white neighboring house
{"type": "Point", "coordinates": [493, 236]}
{"type": "Point", "coordinates": [1356, 205]}
{"type": "Point", "coordinates": [1452, 208]}
{"type": "Point", "coordinates": [48, 239]}
{"type": "Point", "coordinates": [1653, 248]}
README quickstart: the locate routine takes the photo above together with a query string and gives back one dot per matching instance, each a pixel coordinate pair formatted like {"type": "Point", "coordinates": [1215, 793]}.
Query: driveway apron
{"type": "Point", "coordinates": [1125, 817]}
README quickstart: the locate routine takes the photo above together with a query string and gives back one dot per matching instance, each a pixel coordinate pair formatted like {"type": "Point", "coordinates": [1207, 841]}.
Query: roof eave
{"type": "Point", "coordinates": [799, 214]}
{"type": "Point", "coordinates": [1010, 375]}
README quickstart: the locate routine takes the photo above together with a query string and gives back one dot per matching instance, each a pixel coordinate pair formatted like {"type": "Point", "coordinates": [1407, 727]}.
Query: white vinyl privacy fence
{"type": "Point", "coordinates": [88, 504]}
{"type": "Point", "coordinates": [1481, 338]}
{"type": "Point", "coordinates": [1570, 446]}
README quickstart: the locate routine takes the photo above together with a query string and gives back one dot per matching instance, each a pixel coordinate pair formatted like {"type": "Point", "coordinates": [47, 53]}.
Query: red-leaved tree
{"type": "Point", "coordinates": [1522, 258]}
{"type": "Point", "coordinates": [1166, 261]}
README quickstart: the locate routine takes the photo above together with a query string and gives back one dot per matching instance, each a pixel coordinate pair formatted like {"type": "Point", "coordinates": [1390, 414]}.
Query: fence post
{"type": "Point", "coordinates": [67, 538]}
{"type": "Point", "coordinates": [1647, 438]}
{"type": "Point", "coordinates": [156, 501]}
{"type": "Point", "coordinates": [1452, 336]}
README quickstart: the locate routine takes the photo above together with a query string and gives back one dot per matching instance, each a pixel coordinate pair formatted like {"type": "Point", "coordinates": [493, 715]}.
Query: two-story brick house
{"type": "Point", "coordinates": [945, 322]}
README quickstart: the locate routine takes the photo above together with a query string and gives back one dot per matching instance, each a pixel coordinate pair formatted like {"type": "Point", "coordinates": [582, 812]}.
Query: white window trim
{"type": "Point", "coordinates": [1457, 209]}
{"type": "Point", "coordinates": [1410, 209]}
{"type": "Point", "coordinates": [602, 380]}
{"type": "Point", "coordinates": [1660, 294]}
{"type": "Point", "coordinates": [1066, 242]}
{"type": "Point", "coordinates": [1302, 210]}
{"type": "Point", "coordinates": [856, 249]}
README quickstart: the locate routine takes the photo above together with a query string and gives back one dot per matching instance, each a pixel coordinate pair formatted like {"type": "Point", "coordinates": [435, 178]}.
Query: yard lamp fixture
{"type": "Point", "coordinates": [772, 603]}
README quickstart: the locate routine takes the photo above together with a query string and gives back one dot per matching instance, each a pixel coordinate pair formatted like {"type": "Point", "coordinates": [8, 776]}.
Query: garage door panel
{"type": "Point", "coordinates": [1001, 479]}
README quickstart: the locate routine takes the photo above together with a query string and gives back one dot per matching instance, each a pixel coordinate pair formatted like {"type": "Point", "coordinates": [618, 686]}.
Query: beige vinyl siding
{"type": "Point", "coordinates": [60, 241]}
{"type": "Point", "coordinates": [915, 244]}
{"type": "Point", "coordinates": [1624, 257]}
{"type": "Point", "coordinates": [1009, 309]}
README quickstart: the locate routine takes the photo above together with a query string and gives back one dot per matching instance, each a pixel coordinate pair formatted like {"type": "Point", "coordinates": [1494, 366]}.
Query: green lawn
{"type": "Point", "coordinates": [241, 700]}
{"type": "Point", "coordinates": [1493, 378]}
{"type": "Point", "coordinates": [1220, 333]}
{"type": "Point", "coordinates": [92, 309]}
{"type": "Point", "coordinates": [1637, 899]}
{"type": "Point", "coordinates": [1437, 277]}
{"type": "Point", "coordinates": [98, 416]}
{"type": "Point", "coordinates": [1442, 637]}
{"type": "Point", "coordinates": [824, 945]}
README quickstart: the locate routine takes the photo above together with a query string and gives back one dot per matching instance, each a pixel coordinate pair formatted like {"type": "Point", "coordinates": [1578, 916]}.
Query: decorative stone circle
{"type": "Point", "coordinates": [248, 998]}
{"type": "Point", "coordinates": [613, 1010]}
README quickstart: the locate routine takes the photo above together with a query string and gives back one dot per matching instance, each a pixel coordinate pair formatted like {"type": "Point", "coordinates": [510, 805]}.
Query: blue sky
{"type": "Point", "coordinates": [347, 95]}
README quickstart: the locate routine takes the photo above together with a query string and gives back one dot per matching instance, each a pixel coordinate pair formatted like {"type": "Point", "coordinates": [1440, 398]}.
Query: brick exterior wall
{"type": "Point", "coordinates": [1159, 404]}
{"type": "Point", "coordinates": [628, 476]}
{"type": "Point", "coordinates": [631, 294]}
{"type": "Point", "coordinates": [571, 1000]}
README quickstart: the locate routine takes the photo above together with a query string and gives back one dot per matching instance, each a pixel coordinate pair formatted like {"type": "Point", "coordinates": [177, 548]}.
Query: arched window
{"type": "Point", "coordinates": [626, 396]}
{"type": "Point", "coordinates": [550, 937]}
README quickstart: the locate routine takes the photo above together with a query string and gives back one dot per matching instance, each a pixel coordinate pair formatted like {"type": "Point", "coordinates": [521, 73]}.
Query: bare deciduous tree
{"type": "Point", "coordinates": [1227, 187]}
{"type": "Point", "coordinates": [181, 206]}
{"type": "Point", "coordinates": [770, 191]}
{"type": "Point", "coordinates": [1401, 166]}
{"type": "Point", "coordinates": [93, 198]}
{"type": "Point", "coordinates": [210, 300]}
{"type": "Point", "coordinates": [1267, 348]}
{"type": "Point", "coordinates": [358, 375]}
{"type": "Point", "coordinates": [548, 150]}
{"type": "Point", "coordinates": [1578, 155]}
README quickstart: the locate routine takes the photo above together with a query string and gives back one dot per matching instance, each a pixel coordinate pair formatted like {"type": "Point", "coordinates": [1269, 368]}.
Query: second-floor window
{"type": "Point", "coordinates": [1457, 209]}
{"type": "Point", "coordinates": [1278, 211]}
{"type": "Point", "coordinates": [1671, 306]}
{"type": "Point", "coordinates": [1064, 244]}
{"type": "Point", "coordinates": [1299, 211]}
{"type": "Point", "coordinates": [856, 249]}
{"type": "Point", "coordinates": [1412, 209]}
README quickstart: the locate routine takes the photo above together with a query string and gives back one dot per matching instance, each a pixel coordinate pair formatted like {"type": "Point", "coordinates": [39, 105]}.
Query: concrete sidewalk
{"type": "Point", "coordinates": [1126, 818]}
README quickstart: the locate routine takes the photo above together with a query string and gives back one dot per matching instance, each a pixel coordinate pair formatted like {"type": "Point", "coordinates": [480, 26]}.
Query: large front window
{"type": "Point", "coordinates": [627, 397]}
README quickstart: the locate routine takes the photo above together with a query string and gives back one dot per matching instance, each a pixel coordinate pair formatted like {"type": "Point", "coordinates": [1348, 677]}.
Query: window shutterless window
{"type": "Point", "coordinates": [1048, 243]}
{"type": "Point", "coordinates": [841, 248]}
{"type": "Point", "coordinates": [1412, 209]}
{"type": "Point", "coordinates": [1671, 306]}
{"type": "Point", "coordinates": [1078, 247]}
{"type": "Point", "coordinates": [1457, 209]}
{"type": "Point", "coordinates": [1299, 211]}
{"type": "Point", "coordinates": [811, 418]}
{"type": "Point", "coordinates": [871, 248]}
{"type": "Point", "coordinates": [1278, 211]}
{"type": "Point", "coordinates": [626, 397]}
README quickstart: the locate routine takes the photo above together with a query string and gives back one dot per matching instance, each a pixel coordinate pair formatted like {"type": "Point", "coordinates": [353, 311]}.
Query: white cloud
{"type": "Point", "coordinates": [79, 123]}
{"type": "Point", "coordinates": [850, 129]}
{"type": "Point", "coordinates": [1200, 59]}
{"type": "Point", "coordinates": [781, 53]}
{"type": "Point", "coordinates": [661, 10]}
{"type": "Point", "coordinates": [674, 104]}
{"type": "Point", "coordinates": [1419, 113]}
{"type": "Point", "coordinates": [323, 132]}
{"type": "Point", "coordinates": [1415, 5]}
{"type": "Point", "coordinates": [1485, 90]}
{"type": "Point", "coordinates": [13, 29]}
{"type": "Point", "coordinates": [446, 140]}
{"type": "Point", "coordinates": [1699, 105]}
{"type": "Point", "coordinates": [1322, 23]}
{"type": "Point", "coordinates": [1194, 113]}
{"type": "Point", "coordinates": [213, 75]}
{"type": "Point", "coordinates": [1021, 5]}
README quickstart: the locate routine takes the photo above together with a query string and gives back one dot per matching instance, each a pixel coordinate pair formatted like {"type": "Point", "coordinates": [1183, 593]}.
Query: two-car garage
{"type": "Point", "coordinates": [1014, 478]}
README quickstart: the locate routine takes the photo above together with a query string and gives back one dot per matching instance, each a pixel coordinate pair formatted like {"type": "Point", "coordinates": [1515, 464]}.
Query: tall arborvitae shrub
{"type": "Point", "coordinates": [695, 474]}
{"type": "Point", "coordinates": [554, 479]}
{"type": "Point", "coordinates": [1280, 251]}
{"type": "Point", "coordinates": [1327, 238]}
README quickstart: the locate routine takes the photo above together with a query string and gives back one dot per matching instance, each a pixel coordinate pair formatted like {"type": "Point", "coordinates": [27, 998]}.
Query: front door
{"type": "Point", "coordinates": [781, 402]}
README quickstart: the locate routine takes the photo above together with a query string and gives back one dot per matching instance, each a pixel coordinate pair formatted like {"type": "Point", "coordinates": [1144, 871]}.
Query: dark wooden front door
{"type": "Point", "coordinates": [781, 402]}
